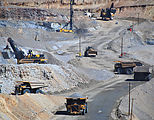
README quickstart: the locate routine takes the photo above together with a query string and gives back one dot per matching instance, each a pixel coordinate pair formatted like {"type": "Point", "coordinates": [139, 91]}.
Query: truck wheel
{"type": "Point", "coordinates": [86, 109]}
{"type": "Point", "coordinates": [119, 70]}
{"type": "Point", "coordinates": [83, 112]}
{"type": "Point", "coordinates": [26, 91]}
{"type": "Point", "coordinates": [129, 71]}
{"type": "Point", "coordinates": [39, 91]}
{"type": "Point", "coordinates": [85, 54]}
{"type": "Point", "coordinates": [149, 77]}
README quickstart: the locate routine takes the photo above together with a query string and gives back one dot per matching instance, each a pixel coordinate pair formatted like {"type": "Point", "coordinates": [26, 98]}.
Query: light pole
{"type": "Point", "coordinates": [71, 14]}
{"type": "Point", "coordinates": [80, 46]}
{"type": "Point", "coordinates": [121, 55]}
{"type": "Point", "coordinates": [129, 99]}
{"type": "Point", "coordinates": [138, 18]}
{"type": "Point", "coordinates": [122, 43]}
{"type": "Point", "coordinates": [131, 114]}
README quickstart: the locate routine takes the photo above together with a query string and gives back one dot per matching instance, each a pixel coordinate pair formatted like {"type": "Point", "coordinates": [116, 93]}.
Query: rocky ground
{"type": "Point", "coordinates": [143, 104]}
{"type": "Point", "coordinates": [29, 106]}
{"type": "Point", "coordinates": [65, 72]}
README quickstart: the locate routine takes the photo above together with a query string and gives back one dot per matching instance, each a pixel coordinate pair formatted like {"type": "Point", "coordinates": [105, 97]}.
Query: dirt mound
{"type": "Point", "coordinates": [29, 106]}
{"type": "Point", "coordinates": [57, 78]}
{"type": "Point", "coordinates": [143, 102]}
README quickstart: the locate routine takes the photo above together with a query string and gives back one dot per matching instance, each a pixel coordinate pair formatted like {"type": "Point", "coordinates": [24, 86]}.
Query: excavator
{"type": "Point", "coordinates": [64, 28]}
{"type": "Point", "coordinates": [30, 58]}
{"type": "Point", "coordinates": [108, 13]}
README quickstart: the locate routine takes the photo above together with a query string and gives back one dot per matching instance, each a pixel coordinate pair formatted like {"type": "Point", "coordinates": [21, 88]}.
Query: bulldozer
{"type": "Point", "coordinates": [90, 52]}
{"type": "Point", "coordinates": [125, 67]}
{"type": "Point", "coordinates": [23, 87]}
{"type": "Point", "coordinates": [76, 104]}
{"type": "Point", "coordinates": [30, 58]}
{"type": "Point", "coordinates": [108, 13]}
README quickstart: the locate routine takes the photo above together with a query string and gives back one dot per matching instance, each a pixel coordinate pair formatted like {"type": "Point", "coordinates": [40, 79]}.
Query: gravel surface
{"type": "Point", "coordinates": [65, 71]}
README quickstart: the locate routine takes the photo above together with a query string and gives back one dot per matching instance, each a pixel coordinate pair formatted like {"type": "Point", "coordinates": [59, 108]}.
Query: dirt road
{"type": "Point", "coordinates": [103, 96]}
{"type": "Point", "coordinates": [102, 99]}
{"type": "Point", "coordinates": [109, 88]}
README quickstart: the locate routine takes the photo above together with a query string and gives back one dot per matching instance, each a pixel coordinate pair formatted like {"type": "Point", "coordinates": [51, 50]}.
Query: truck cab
{"type": "Point", "coordinates": [125, 67]}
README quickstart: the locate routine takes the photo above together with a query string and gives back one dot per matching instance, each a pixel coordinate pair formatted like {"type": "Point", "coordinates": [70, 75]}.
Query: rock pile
{"type": "Point", "coordinates": [58, 78]}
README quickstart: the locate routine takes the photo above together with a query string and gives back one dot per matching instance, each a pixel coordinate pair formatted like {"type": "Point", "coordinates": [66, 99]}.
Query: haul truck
{"type": "Point", "coordinates": [125, 67]}
{"type": "Point", "coordinates": [108, 13]}
{"type": "Point", "coordinates": [90, 52]}
{"type": "Point", "coordinates": [76, 104]}
{"type": "Point", "coordinates": [23, 87]}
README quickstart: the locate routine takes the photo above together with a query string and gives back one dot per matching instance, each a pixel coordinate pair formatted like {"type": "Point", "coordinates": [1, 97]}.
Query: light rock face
{"type": "Point", "coordinates": [143, 101]}
{"type": "Point", "coordinates": [78, 2]}
{"type": "Point", "coordinates": [29, 106]}
{"type": "Point", "coordinates": [57, 78]}
{"type": "Point", "coordinates": [125, 9]}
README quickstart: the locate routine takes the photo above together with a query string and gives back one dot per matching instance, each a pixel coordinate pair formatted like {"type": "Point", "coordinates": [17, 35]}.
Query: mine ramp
{"type": "Point", "coordinates": [23, 87]}
{"type": "Point", "coordinates": [90, 52]}
{"type": "Point", "coordinates": [108, 13]}
{"type": "Point", "coordinates": [76, 104]}
{"type": "Point", "coordinates": [125, 67]}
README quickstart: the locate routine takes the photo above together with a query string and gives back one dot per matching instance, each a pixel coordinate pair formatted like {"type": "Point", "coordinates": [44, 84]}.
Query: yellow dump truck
{"type": "Point", "coordinates": [125, 67]}
{"type": "Point", "coordinates": [90, 52]}
{"type": "Point", "coordinates": [23, 87]}
{"type": "Point", "coordinates": [76, 104]}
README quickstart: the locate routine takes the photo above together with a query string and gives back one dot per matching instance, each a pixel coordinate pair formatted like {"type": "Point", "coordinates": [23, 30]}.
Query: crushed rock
{"type": "Point", "coordinates": [57, 77]}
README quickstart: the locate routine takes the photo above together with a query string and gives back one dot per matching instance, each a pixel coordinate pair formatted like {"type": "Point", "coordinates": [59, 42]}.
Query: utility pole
{"type": "Point", "coordinates": [138, 18]}
{"type": "Point", "coordinates": [129, 98]}
{"type": "Point", "coordinates": [48, 3]}
{"type": "Point", "coordinates": [71, 14]}
{"type": "Point", "coordinates": [131, 115]}
{"type": "Point", "coordinates": [121, 55]}
{"type": "Point", "coordinates": [80, 46]}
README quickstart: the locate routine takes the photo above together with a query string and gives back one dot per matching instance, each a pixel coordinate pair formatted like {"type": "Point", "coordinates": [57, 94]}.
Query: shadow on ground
{"type": "Point", "coordinates": [135, 80]}
{"type": "Point", "coordinates": [63, 113]}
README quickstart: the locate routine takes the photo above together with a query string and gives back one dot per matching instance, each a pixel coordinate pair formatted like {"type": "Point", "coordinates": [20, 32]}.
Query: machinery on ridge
{"type": "Point", "coordinates": [70, 22]}
{"type": "Point", "coordinates": [30, 58]}
{"type": "Point", "coordinates": [108, 13]}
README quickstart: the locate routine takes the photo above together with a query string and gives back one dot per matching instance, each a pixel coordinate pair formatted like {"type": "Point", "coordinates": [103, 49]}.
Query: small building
{"type": "Point", "coordinates": [142, 73]}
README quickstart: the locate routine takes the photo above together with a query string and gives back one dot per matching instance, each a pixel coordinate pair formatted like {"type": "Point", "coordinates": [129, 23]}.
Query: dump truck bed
{"type": "Point", "coordinates": [76, 96]}
{"type": "Point", "coordinates": [34, 84]}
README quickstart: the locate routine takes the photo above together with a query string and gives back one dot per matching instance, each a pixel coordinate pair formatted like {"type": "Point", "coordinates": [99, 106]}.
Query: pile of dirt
{"type": "Point", "coordinates": [57, 78]}
{"type": "Point", "coordinates": [29, 106]}
{"type": "Point", "coordinates": [143, 96]}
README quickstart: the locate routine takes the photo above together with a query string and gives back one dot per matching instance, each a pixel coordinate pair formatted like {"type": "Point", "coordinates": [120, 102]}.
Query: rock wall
{"type": "Point", "coordinates": [125, 9]}
{"type": "Point", "coordinates": [29, 106]}
{"type": "Point", "coordinates": [57, 78]}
